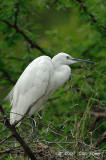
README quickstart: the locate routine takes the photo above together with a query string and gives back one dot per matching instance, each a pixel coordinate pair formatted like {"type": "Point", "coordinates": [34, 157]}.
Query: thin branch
{"type": "Point", "coordinates": [16, 13]}
{"type": "Point", "coordinates": [16, 135]}
{"type": "Point", "coordinates": [100, 140]}
{"type": "Point", "coordinates": [84, 8]}
{"type": "Point", "coordinates": [5, 139]}
{"type": "Point", "coordinates": [3, 129]}
{"type": "Point", "coordinates": [18, 30]}
{"type": "Point", "coordinates": [7, 151]}
{"type": "Point", "coordinates": [32, 44]}
{"type": "Point", "coordinates": [5, 74]}
{"type": "Point", "coordinates": [88, 49]}
{"type": "Point", "coordinates": [6, 22]}
{"type": "Point", "coordinates": [13, 58]}
{"type": "Point", "coordinates": [92, 125]}
{"type": "Point", "coordinates": [98, 114]}
{"type": "Point", "coordinates": [3, 157]}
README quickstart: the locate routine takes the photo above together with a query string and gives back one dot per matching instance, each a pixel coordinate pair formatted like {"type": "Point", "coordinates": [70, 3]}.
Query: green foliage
{"type": "Point", "coordinates": [58, 26]}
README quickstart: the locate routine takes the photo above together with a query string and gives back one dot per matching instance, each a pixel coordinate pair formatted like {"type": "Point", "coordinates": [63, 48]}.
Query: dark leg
{"type": "Point", "coordinates": [35, 134]}
{"type": "Point", "coordinates": [33, 126]}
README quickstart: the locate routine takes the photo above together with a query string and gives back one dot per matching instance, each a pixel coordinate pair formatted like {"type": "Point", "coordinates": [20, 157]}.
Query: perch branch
{"type": "Point", "coordinates": [16, 135]}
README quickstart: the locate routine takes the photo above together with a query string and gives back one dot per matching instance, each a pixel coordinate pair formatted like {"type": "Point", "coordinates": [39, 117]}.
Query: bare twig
{"type": "Point", "coordinates": [5, 139]}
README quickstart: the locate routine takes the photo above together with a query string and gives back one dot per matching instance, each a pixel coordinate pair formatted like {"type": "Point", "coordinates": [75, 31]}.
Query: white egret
{"type": "Point", "coordinates": [38, 81]}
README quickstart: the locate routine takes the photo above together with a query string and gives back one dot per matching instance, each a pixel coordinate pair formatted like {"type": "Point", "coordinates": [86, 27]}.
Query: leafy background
{"type": "Point", "coordinates": [29, 29]}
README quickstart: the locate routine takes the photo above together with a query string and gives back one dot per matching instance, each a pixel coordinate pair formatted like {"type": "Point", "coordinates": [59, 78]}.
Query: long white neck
{"type": "Point", "coordinates": [62, 73]}
{"type": "Point", "coordinates": [57, 62]}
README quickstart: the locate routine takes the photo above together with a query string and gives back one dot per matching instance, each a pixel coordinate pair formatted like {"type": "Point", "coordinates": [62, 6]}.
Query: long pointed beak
{"type": "Point", "coordinates": [81, 60]}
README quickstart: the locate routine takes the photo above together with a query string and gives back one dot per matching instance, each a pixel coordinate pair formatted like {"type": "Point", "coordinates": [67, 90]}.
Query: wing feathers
{"type": "Point", "coordinates": [31, 86]}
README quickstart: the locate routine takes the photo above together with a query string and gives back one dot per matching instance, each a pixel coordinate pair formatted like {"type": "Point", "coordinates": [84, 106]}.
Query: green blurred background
{"type": "Point", "coordinates": [76, 27]}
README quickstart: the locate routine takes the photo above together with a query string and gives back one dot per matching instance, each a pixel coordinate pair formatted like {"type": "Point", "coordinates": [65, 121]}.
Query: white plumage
{"type": "Point", "coordinates": [38, 81]}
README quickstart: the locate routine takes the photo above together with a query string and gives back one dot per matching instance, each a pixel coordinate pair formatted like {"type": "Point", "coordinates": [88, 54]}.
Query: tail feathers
{"type": "Point", "coordinates": [14, 117]}
{"type": "Point", "coordinates": [9, 97]}
{"type": "Point", "coordinates": [14, 114]}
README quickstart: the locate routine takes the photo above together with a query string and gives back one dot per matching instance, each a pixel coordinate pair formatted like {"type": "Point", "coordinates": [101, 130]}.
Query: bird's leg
{"type": "Point", "coordinates": [35, 134]}
{"type": "Point", "coordinates": [34, 127]}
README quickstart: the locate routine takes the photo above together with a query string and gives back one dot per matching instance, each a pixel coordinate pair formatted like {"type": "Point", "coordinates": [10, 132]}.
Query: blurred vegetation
{"type": "Point", "coordinates": [29, 29]}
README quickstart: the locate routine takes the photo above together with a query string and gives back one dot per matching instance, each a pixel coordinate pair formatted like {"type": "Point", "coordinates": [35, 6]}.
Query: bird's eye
{"type": "Point", "coordinates": [67, 57]}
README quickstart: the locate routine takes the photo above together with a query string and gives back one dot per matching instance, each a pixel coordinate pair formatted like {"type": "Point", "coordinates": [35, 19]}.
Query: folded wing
{"type": "Point", "coordinates": [30, 87]}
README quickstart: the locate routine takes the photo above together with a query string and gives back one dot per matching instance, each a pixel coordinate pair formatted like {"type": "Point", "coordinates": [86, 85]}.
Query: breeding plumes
{"type": "Point", "coordinates": [38, 81]}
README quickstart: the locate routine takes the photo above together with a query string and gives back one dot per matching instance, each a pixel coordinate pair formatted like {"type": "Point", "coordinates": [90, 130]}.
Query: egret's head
{"type": "Point", "coordinates": [66, 59]}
